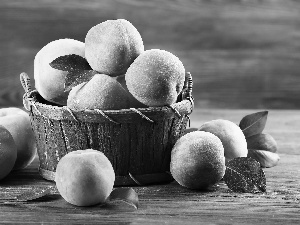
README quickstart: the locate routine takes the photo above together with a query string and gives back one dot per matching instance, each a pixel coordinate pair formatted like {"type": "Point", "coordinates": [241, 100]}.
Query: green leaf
{"type": "Point", "coordinates": [78, 69]}
{"type": "Point", "coordinates": [244, 174]}
{"type": "Point", "coordinates": [127, 195]}
{"type": "Point", "coordinates": [76, 77]}
{"type": "Point", "coordinates": [253, 123]}
{"type": "Point", "coordinates": [70, 63]}
{"type": "Point", "coordinates": [30, 195]}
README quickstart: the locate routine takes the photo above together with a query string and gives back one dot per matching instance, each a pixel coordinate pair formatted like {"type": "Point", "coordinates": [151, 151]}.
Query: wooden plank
{"type": "Point", "coordinates": [173, 204]}
{"type": "Point", "coordinates": [242, 54]}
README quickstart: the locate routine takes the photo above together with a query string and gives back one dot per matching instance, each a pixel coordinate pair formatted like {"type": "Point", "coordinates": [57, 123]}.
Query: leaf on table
{"type": "Point", "coordinates": [244, 174]}
{"type": "Point", "coordinates": [73, 78]}
{"type": "Point", "coordinates": [29, 195]}
{"type": "Point", "coordinates": [127, 195]}
{"type": "Point", "coordinates": [266, 159]}
{"type": "Point", "coordinates": [70, 63]}
{"type": "Point", "coordinates": [253, 123]}
{"type": "Point", "coordinates": [35, 193]}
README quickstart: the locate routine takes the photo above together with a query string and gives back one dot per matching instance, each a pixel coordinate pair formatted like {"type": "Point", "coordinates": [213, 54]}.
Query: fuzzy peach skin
{"type": "Point", "coordinates": [101, 92]}
{"type": "Point", "coordinates": [134, 103]}
{"type": "Point", "coordinates": [84, 177]}
{"type": "Point", "coordinates": [231, 135]}
{"type": "Point", "coordinates": [17, 122]}
{"type": "Point", "coordinates": [49, 82]}
{"type": "Point", "coordinates": [155, 78]}
{"type": "Point", "coordinates": [111, 46]}
{"type": "Point", "coordinates": [197, 160]}
{"type": "Point", "coordinates": [8, 152]}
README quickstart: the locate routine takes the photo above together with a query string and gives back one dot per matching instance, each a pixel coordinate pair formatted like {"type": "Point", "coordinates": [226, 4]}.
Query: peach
{"type": "Point", "coordinates": [155, 78]}
{"type": "Point", "coordinates": [49, 82]}
{"type": "Point", "coordinates": [8, 152]}
{"type": "Point", "coordinates": [111, 46]}
{"type": "Point", "coordinates": [17, 122]}
{"type": "Point", "coordinates": [232, 137]}
{"type": "Point", "coordinates": [188, 130]}
{"type": "Point", "coordinates": [84, 177]}
{"type": "Point", "coordinates": [197, 160]}
{"type": "Point", "coordinates": [101, 92]}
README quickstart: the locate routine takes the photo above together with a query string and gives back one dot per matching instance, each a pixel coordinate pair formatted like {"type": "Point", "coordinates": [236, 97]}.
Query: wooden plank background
{"type": "Point", "coordinates": [241, 53]}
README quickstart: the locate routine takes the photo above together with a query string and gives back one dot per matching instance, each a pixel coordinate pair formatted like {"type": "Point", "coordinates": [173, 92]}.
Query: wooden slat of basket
{"type": "Point", "coordinates": [50, 143]}
{"type": "Point", "coordinates": [74, 135]}
{"type": "Point", "coordinates": [174, 131]}
{"type": "Point", "coordinates": [163, 141]}
{"type": "Point", "coordinates": [110, 136]}
{"type": "Point", "coordinates": [135, 138]}
{"type": "Point", "coordinates": [122, 148]}
{"type": "Point", "coordinates": [148, 146]}
{"type": "Point", "coordinates": [38, 128]}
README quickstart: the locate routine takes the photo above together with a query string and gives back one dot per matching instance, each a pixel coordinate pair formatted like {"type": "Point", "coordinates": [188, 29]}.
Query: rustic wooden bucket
{"type": "Point", "coordinates": [138, 142]}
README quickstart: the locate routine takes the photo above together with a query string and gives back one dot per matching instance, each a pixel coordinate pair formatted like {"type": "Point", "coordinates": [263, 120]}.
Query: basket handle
{"type": "Point", "coordinates": [186, 93]}
{"type": "Point", "coordinates": [25, 81]}
{"type": "Point", "coordinates": [188, 85]}
{"type": "Point", "coordinates": [187, 88]}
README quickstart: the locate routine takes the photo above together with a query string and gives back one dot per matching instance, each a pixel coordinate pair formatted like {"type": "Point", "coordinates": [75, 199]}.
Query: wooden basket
{"type": "Point", "coordinates": [138, 142]}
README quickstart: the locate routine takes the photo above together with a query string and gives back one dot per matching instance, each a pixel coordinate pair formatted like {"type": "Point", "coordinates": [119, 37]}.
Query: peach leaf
{"type": "Point", "coordinates": [244, 174]}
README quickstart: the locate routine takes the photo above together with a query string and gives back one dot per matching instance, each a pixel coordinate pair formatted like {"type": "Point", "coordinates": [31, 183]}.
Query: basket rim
{"type": "Point", "coordinates": [183, 107]}
{"type": "Point", "coordinates": [32, 98]}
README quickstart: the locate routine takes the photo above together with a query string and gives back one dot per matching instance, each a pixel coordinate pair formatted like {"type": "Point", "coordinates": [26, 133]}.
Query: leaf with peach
{"type": "Point", "coordinates": [245, 148]}
{"type": "Point", "coordinates": [112, 48]}
{"type": "Point", "coordinates": [261, 146]}
{"type": "Point", "coordinates": [49, 81]}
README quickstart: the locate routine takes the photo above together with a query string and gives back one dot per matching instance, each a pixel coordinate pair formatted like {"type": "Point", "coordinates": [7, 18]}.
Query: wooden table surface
{"type": "Point", "coordinates": [173, 204]}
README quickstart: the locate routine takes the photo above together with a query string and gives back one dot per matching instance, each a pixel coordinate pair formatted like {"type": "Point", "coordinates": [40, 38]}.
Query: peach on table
{"type": "Point", "coordinates": [17, 122]}
{"type": "Point", "coordinates": [85, 177]}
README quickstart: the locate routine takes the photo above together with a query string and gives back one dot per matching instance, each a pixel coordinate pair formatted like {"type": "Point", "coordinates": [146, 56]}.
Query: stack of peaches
{"type": "Point", "coordinates": [121, 73]}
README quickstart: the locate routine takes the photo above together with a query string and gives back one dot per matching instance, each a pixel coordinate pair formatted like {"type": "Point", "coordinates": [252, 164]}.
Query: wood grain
{"type": "Point", "coordinates": [242, 54]}
{"type": "Point", "coordinates": [173, 204]}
